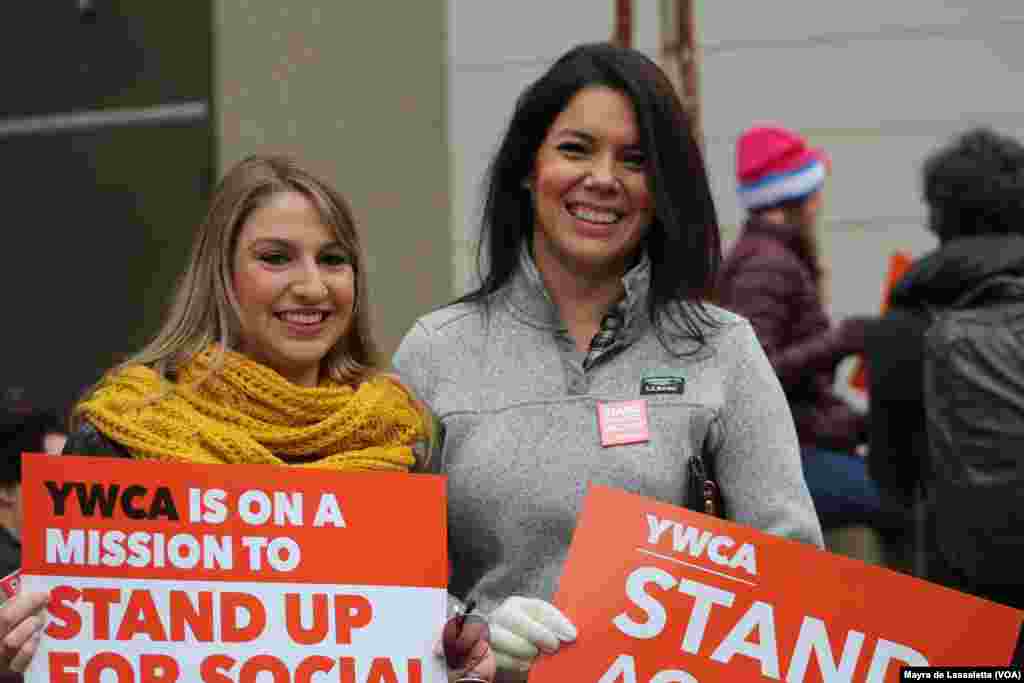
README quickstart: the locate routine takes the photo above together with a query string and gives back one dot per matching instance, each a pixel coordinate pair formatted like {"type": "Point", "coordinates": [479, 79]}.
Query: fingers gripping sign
{"type": "Point", "coordinates": [522, 628]}
{"type": "Point", "coordinates": [21, 623]}
{"type": "Point", "coordinates": [465, 644]}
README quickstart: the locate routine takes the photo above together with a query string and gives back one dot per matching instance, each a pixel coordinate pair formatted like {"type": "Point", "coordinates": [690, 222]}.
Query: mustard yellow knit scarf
{"type": "Point", "coordinates": [245, 412]}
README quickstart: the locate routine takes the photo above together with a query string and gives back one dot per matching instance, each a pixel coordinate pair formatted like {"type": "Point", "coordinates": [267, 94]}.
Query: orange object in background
{"type": "Point", "coordinates": [899, 264]}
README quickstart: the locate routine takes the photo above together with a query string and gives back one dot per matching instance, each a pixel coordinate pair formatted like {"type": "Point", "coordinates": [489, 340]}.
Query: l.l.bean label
{"type": "Point", "coordinates": [662, 383]}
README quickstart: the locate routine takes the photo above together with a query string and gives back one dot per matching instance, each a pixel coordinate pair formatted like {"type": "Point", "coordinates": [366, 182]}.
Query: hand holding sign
{"type": "Point", "coordinates": [522, 628]}
{"type": "Point", "coordinates": [20, 625]}
{"type": "Point", "coordinates": [465, 642]}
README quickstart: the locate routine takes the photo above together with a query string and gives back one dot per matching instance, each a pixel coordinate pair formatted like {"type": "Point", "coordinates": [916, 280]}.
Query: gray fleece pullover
{"type": "Point", "coordinates": [522, 441]}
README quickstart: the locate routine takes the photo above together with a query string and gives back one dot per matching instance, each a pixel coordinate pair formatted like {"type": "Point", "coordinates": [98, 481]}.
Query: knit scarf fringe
{"type": "Point", "coordinates": [244, 412]}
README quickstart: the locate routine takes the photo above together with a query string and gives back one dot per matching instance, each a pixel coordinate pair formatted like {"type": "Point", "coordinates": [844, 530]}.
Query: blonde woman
{"type": "Point", "coordinates": [265, 356]}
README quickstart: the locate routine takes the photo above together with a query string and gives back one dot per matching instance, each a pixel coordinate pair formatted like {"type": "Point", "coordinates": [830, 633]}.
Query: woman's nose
{"type": "Point", "coordinates": [309, 284]}
{"type": "Point", "coordinates": [602, 175]}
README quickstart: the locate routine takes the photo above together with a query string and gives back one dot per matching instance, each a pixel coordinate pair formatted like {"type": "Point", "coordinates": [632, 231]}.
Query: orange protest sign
{"type": "Point", "coordinates": [660, 594]}
{"type": "Point", "coordinates": [174, 572]}
{"type": "Point", "coordinates": [899, 264]}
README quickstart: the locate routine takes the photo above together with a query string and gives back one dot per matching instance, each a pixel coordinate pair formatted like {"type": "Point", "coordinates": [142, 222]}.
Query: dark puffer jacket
{"type": "Point", "coordinates": [770, 279]}
{"type": "Point", "coordinates": [895, 350]}
{"type": "Point", "coordinates": [87, 440]}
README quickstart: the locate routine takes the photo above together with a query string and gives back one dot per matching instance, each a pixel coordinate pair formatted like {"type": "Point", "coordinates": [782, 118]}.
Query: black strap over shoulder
{"type": "Point", "coordinates": [704, 494]}
{"type": "Point", "coordinates": [87, 440]}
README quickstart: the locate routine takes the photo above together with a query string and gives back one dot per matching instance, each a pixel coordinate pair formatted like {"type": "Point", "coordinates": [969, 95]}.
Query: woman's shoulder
{"type": "Point", "coordinates": [451, 319]}
{"type": "Point", "coordinates": [453, 325]}
{"type": "Point", "coordinates": [728, 335]}
{"type": "Point", "coordinates": [718, 323]}
{"type": "Point", "coordinates": [709, 334]}
{"type": "Point", "coordinates": [437, 344]}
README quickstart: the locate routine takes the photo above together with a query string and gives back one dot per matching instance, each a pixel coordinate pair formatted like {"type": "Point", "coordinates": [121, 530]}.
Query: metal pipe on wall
{"type": "Point", "coordinates": [179, 114]}
{"type": "Point", "coordinates": [624, 23]}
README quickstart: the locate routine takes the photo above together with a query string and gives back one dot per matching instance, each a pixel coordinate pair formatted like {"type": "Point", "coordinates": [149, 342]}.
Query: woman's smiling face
{"type": "Point", "coordinates": [592, 204]}
{"type": "Point", "coordinates": [295, 287]}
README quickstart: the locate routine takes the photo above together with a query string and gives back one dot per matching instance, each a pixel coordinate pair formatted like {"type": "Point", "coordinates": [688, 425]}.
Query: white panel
{"type": "Point", "coordinates": [481, 105]}
{"type": "Point", "coordinates": [647, 27]}
{"type": "Point", "coordinates": [489, 32]}
{"type": "Point", "coordinates": [897, 85]}
{"type": "Point", "coordinates": [728, 23]}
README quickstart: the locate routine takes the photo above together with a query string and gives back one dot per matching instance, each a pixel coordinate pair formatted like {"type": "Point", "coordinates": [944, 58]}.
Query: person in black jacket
{"type": "Point", "coordinates": [21, 431]}
{"type": "Point", "coordinates": [974, 189]}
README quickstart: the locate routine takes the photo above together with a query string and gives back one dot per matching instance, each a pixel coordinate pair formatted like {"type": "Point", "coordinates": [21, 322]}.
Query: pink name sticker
{"type": "Point", "coordinates": [622, 422]}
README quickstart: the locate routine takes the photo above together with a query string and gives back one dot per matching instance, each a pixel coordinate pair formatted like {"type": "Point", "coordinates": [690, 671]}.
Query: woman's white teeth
{"type": "Point", "coordinates": [303, 317]}
{"type": "Point", "coordinates": [592, 215]}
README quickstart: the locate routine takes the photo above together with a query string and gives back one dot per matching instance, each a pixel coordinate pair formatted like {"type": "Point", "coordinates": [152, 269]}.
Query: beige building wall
{"type": "Point", "coordinates": [357, 92]}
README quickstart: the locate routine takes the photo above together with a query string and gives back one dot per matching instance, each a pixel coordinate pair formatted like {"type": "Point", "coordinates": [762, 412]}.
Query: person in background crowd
{"type": "Point", "coordinates": [774, 277]}
{"type": "Point", "coordinates": [15, 403]}
{"type": "Point", "coordinates": [601, 243]}
{"type": "Point", "coordinates": [974, 190]}
{"type": "Point", "coordinates": [20, 432]}
{"type": "Point", "coordinates": [265, 355]}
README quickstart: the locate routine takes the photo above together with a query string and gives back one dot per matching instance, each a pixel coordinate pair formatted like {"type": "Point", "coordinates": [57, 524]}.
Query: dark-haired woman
{"type": "Point", "coordinates": [588, 355]}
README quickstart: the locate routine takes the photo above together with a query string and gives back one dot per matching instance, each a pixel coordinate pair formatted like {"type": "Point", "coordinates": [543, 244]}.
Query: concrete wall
{"type": "Point", "coordinates": [357, 91]}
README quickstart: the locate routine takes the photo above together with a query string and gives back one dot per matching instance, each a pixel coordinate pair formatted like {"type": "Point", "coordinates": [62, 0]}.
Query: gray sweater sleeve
{"type": "Point", "coordinates": [755, 448]}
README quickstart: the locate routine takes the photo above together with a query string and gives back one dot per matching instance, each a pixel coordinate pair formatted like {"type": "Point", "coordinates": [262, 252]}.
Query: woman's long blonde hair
{"type": "Point", "coordinates": [204, 308]}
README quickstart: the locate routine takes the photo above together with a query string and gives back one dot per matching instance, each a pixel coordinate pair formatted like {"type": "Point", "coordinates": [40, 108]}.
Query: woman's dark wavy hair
{"type": "Point", "coordinates": [683, 240]}
{"type": "Point", "coordinates": [975, 185]}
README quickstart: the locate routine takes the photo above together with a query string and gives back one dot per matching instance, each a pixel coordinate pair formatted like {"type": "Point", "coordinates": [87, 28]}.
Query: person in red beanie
{"type": "Point", "coordinates": [774, 277]}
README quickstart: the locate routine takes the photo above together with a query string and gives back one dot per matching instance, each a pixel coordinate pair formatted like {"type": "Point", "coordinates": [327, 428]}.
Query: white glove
{"type": "Point", "coordinates": [522, 628]}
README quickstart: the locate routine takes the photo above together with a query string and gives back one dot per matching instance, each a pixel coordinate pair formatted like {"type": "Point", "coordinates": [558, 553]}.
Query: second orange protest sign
{"type": "Point", "coordinates": [899, 264]}
{"type": "Point", "coordinates": [661, 594]}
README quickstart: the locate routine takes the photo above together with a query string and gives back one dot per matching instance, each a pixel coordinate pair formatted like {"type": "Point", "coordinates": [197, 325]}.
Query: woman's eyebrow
{"type": "Point", "coordinates": [332, 246]}
{"type": "Point", "coordinates": [576, 133]}
{"type": "Point", "coordinates": [270, 242]}
{"type": "Point", "coordinates": [591, 139]}
{"type": "Point", "coordinates": [286, 244]}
